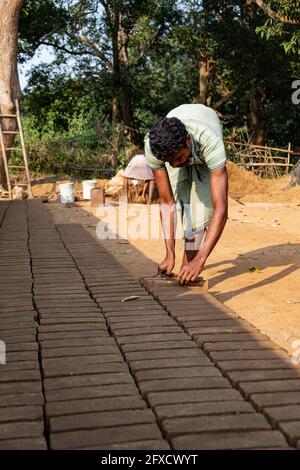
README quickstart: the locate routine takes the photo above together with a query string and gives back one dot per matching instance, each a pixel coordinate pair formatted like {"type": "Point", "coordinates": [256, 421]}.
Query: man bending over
{"type": "Point", "coordinates": [186, 152]}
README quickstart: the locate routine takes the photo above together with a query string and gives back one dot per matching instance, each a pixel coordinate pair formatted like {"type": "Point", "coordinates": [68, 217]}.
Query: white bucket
{"type": "Point", "coordinates": [66, 192]}
{"type": "Point", "coordinates": [86, 188]}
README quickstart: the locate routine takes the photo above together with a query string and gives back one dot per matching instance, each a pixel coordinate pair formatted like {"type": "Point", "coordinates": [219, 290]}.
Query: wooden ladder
{"type": "Point", "coordinates": [22, 149]}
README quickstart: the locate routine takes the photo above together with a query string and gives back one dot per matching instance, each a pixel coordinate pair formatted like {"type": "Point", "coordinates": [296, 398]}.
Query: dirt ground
{"type": "Point", "coordinates": [263, 232]}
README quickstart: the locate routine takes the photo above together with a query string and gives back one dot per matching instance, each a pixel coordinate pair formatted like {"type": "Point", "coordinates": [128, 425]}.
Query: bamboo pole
{"type": "Point", "coordinates": [227, 142]}
{"type": "Point", "coordinates": [22, 140]}
{"type": "Point", "coordinates": [5, 162]}
{"type": "Point", "coordinates": [289, 157]}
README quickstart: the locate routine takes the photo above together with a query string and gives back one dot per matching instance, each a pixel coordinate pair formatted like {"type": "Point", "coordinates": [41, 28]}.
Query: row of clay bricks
{"type": "Point", "coordinates": [262, 371]}
{"type": "Point", "coordinates": [195, 405]}
{"type": "Point", "coordinates": [21, 398]}
{"type": "Point", "coordinates": [91, 397]}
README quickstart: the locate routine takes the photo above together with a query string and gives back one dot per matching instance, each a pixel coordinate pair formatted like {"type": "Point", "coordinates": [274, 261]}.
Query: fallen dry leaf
{"type": "Point", "coordinates": [255, 269]}
{"type": "Point", "coordinates": [131, 297]}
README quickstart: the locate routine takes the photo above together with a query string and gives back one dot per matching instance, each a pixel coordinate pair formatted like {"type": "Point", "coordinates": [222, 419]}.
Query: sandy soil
{"type": "Point", "coordinates": [260, 234]}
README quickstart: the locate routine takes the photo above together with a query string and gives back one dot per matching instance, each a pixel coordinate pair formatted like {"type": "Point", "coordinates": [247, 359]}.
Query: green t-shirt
{"type": "Point", "coordinates": [203, 125]}
{"type": "Point", "coordinates": [191, 183]}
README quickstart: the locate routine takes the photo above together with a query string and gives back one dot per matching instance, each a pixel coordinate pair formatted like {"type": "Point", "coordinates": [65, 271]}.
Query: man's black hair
{"type": "Point", "coordinates": [166, 137]}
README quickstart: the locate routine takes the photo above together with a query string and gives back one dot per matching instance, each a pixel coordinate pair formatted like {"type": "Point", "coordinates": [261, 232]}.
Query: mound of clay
{"type": "Point", "coordinates": [242, 181]}
{"type": "Point", "coordinates": [114, 187]}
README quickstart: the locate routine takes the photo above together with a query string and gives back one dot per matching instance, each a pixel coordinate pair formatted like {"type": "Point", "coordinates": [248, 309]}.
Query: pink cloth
{"type": "Point", "coordinates": [138, 169]}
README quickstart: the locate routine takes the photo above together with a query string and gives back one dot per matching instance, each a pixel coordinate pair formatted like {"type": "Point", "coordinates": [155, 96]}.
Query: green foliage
{"type": "Point", "coordinates": [150, 67]}
{"type": "Point", "coordinates": [288, 34]}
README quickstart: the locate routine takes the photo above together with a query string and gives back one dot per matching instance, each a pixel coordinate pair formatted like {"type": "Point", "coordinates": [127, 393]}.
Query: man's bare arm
{"type": "Point", "coordinates": [219, 194]}
{"type": "Point", "coordinates": [168, 218]}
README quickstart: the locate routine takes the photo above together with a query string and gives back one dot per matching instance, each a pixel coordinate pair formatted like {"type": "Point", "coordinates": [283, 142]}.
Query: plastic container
{"type": "Point", "coordinates": [66, 192]}
{"type": "Point", "coordinates": [86, 188]}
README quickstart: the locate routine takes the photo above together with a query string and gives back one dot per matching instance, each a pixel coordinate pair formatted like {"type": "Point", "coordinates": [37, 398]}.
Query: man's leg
{"type": "Point", "coordinates": [151, 190]}
{"type": "Point", "coordinates": [145, 186]}
{"type": "Point", "coordinates": [192, 246]}
{"type": "Point", "coordinates": [125, 187]}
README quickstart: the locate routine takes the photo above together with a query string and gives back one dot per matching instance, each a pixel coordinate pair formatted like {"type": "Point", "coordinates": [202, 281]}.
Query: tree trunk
{"type": "Point", "coordinates": [125, 99]}
{"type": "Point", "coordinates": [204, 67]}
{"type": "Point", "coordinates": [9, 78]}
{"type": "Point", "coordinates": [256, 120]}
{"type": "Point", "coordinates": [116, 66]}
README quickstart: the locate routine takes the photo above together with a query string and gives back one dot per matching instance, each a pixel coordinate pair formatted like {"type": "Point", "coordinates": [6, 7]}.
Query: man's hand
{"type": "Point", "coordinates": [167, 265]}
{"type": "Point", "coordinates": [190, 271]}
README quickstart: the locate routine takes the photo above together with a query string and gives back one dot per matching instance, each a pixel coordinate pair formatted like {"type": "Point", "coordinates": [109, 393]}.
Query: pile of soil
{"type": "Point", "coordinates": [242, 181]}
{"type": "Point", "coordinates": [246, 187]}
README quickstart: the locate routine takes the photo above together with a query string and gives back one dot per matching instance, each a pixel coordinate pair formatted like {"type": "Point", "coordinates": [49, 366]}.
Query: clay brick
{"type": "Point", "coordinates": [249, 388]}
{"type": "Point", "coordinates": [73, 342]}
{"type": "Point", "coordinates": [262, 400]}
{"type": "Point", "coordinates": [203, 409]}
{"type": "Point", "coordinates": [79, 351]}
{"type": "Point", "coordinates": [241, 346]}
{"type": "Point", "coordinates": [211, 315]}
{"type": "Point", "coordinates": [135, 445]}
{"type": "Point", "coordinates": [20, 413]}
{"type": "Point", "coordinates": [69, 361]}
{"type": "Point", "coordinates": [61, 296]}
{"type": "Point", "coordinates": [76, 439]}
{"type": "Point", "coordinates": [60, 370]}
{"type": "Point", "coordinates": [22, 399]}
{"type": "Point", "coordinates": [193, 396]}
{"type": "Point", "coordinates": [283, 413]}
{"type": "Point", "coordinates": [256, 375]}
{"type": "Point", "coordinates": [20, 376]}
{"type": "Point", "coordinates": [230, 337]}
{"type": "Point", "coordinates": [117, 289]}
{"type": "Point", "coordinates": [101, 420]}
{"type": "Point", "coordinates": [167, 363]}
{"type": "Point", "coordinates": [200, 424]}
{"type": "Point", "coordinates": [12, 388]}
{"type": "Point", "coordinates": [71, 317]}
{"type": "Point", "coordinates": [90, 392]}
{"type": "Point", "coordinates": [76, 305]}
{"type": "Point", "coordinates": [153, 346]}
{"type": "Point", "coordinates": [17, 347]}
{"type": "Point", "coordinates": [94, 405]}
{"type": "Point", "coordinates": [254, 364]}
{"type": "Point", "coordinates": [21, 366]}
{"type": "Point", "coordinates": [220, 329]}
{"type": "Point", "coordinates": [59, 383]}
{"type": "Point", "coordinates": [196, 326]}
{"type": "Point", "coordinates": [196, 383]}
{"type": "Point", "coordinates": [24, 444]}
{"type": "Point", "coordinates": [250, 354]}
{"type": "Point", "coordinates": [21, 356]}
{"type": "Point", "coordinates": [14, 341]}
{"type": "Point", "coordinates": [291, 431]}
{"type": "Point", "coordinates": [124, 311]}
{"type": "Point", "coordinates": [148, 330]}
{"type": "Point", "coordinates": [162, 354]}
{"type": "Point", "coordinates": [145, 303]}
{"type": "Point", "coordinates": [67, 328]}
{"type": "Point", "coordinates": [177, 372]}
{"type": "Point", "coordinates": [62, 310]}
{"type": "Point", "coordinates": [18, 317]}
{"type": "Point", "coordinates": [230, 440]}
{"type": "Point", "coordinates": [63, 320]}
{"type": "Point", "coordinates": [120, 294]}
{"type": "Point", "coordinates": [154, 337]}
{"type": "Point", "coordinates": [78, 334]}
{"type": "Point", "coordinates": [144, 323]}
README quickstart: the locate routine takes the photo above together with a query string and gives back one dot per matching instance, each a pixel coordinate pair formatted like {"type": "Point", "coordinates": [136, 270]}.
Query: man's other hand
{"type": "Point", "coordinates": [190, 271]}
{"type": "Point", "coordinates": [167, 265]}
